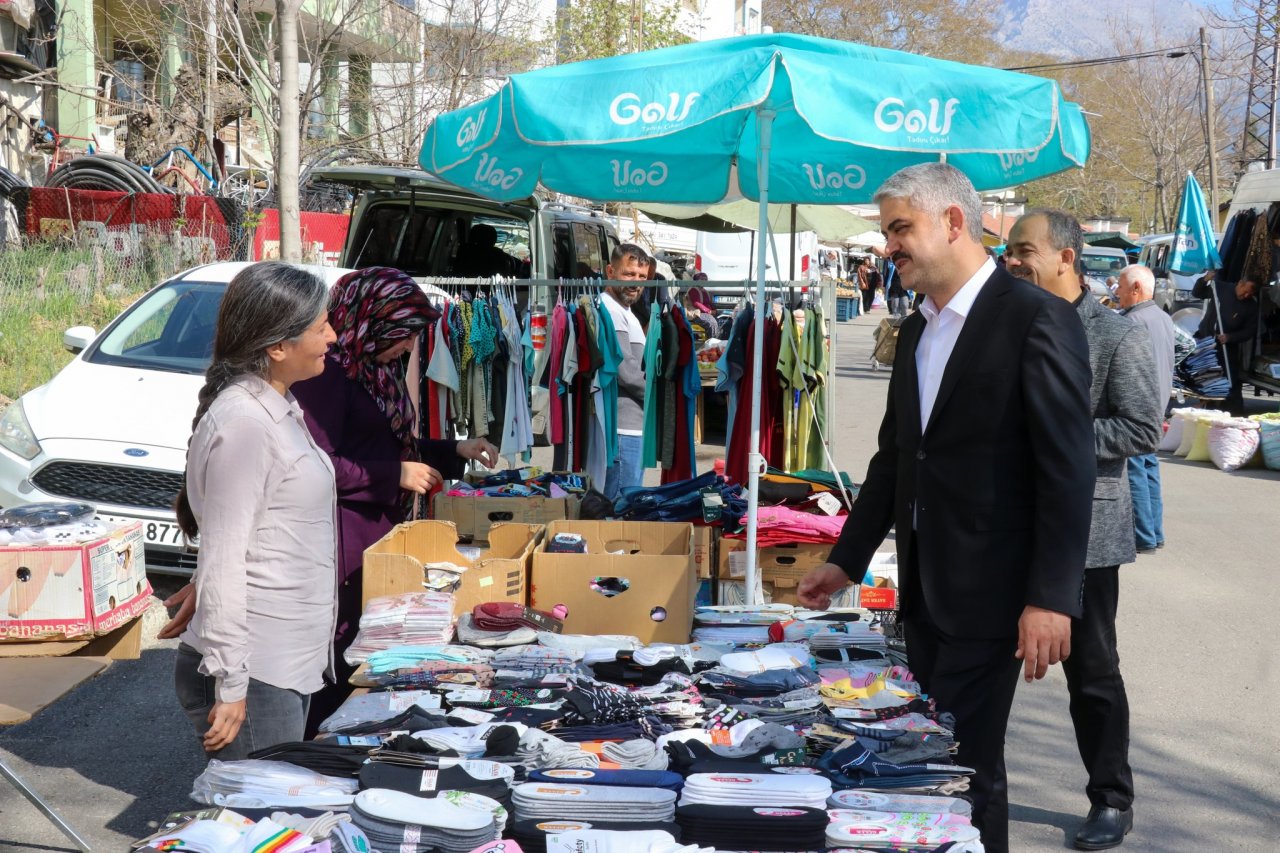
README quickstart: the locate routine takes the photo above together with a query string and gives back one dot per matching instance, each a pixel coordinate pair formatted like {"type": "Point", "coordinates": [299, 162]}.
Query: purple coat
{"type": "Point", "coordinates": [347, 425]}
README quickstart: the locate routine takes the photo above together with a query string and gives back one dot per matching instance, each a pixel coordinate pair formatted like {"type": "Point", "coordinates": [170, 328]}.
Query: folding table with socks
{"type": "Point", "coordinates": [773, 730]}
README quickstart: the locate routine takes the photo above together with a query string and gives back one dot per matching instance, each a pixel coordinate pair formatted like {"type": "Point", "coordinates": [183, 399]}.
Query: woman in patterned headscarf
{"type": "Point", "coordinates": [361, 412]}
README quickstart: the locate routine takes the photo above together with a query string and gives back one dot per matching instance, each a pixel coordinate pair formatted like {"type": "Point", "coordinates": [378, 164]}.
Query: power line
{"type": "Point", "coordinates": [1163, 53]}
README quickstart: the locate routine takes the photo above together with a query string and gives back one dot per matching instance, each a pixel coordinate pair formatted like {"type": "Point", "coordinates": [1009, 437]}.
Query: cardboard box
{"type": "Point", "coordinates": [475, 516]}
{"type": "Point", "coordinates": [705, 542]}
{"type": "Point", "coordinates": [654, 558]}
{"type": "Point", "coordinates": [69, 592]}
{"type": "Point", "coordinates": [776, 562]}
{"type": "Point", "coordinates": [394, 564]}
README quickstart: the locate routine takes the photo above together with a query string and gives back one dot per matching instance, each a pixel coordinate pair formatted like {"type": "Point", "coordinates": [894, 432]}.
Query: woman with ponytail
{"type": "Point", "coordinates": [260, 494]}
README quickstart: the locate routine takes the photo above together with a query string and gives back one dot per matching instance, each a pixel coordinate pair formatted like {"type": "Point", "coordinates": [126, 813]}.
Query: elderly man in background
{"type": "Point", "coordinates": [1135, 292]}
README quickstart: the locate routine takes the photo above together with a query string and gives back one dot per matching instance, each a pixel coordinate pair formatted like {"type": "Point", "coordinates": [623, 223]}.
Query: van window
{"type": "Point", "coordinates": [432, 241]}
{"type": "Point", "coordinates": [588, 249]}
{"type": "Point", "coordinates": [580, 249]}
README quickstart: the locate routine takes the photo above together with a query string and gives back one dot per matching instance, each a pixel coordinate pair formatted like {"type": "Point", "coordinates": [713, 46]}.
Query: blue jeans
{"type": "Point", "coordinates": [1148, 507]}
{"type": "Point", "coordinates": [626, 470]}
{"type": "Point", "coordinates": [273, 715]}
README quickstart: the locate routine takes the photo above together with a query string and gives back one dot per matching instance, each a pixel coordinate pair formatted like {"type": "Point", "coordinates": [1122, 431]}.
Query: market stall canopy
{"type": "Point", "coordinates": [830, 222]}
{"type": "Point", "coordinates": [679, 125]}
{"type": "Point", "coordinates": [870, 239]}
{"type": "Point", "coordinates": [1110, 240]}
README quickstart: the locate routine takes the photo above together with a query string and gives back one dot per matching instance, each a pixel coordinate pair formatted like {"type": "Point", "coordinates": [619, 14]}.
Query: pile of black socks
{"type": "Point", "coordinates": [753, 827]}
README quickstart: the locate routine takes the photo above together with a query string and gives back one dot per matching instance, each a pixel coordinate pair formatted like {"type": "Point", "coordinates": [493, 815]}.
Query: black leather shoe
{"type": "Point", "coordinates": [1104, 828]}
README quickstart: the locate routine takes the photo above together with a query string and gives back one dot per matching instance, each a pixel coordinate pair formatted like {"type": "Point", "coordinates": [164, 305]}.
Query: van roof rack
{"type": "Point", "coordinates": [576, 208]}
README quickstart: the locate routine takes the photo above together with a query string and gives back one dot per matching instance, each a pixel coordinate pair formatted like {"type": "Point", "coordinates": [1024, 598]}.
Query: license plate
{"type": "Point", "coordinates": [166, 533]}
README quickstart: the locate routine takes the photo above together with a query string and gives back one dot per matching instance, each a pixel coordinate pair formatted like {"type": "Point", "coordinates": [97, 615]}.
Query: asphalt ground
{"type": "Point", "coordinates": [1196, 633]}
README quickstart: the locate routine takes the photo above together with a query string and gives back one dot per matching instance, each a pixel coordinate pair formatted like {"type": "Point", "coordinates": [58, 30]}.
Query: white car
{"type": "Point", "coordinates": [111, 428]}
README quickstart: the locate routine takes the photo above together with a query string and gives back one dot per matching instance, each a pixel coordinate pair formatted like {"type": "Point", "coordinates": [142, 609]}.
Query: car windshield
{"type": "Point", "coordinates": [1103, 265]}
{"type": "Point", "coordinates": [171, 328]}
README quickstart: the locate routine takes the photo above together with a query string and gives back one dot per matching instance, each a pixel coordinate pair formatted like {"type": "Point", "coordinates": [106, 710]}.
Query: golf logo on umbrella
{"type": "Point", "coordinates": [915, 121]}
{"type": "Point", "coordinates": [1013, 160]}
{"type": "Point", "coordinates": [626, 108]}
{"type": "Point", "coordinates": [850, 178]}
{"type": "Point", "coordinates": [488, 173]}
{"type": "Point", "coordinates": [625, 176]}
{"type": "Point", "coordinates": [471, 127]}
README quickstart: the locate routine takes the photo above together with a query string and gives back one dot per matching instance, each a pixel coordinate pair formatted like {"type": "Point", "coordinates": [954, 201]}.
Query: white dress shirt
{"type": "Point", "coordinates": [941, 331]}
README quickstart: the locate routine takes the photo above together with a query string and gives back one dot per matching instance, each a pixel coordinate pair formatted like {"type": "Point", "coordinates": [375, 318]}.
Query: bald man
{"type": "Point", "coordinates": [1135, 292]}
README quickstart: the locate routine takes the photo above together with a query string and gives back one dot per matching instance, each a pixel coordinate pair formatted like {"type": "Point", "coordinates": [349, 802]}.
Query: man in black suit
{"type": "Point", "coordinates": [986, 468]}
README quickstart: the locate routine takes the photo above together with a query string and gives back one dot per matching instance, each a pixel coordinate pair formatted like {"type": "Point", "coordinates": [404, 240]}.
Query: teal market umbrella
{"type": "Point", "coordinates": [775, 118]}
{"type": "Point", "coordinates": [1194, 246]}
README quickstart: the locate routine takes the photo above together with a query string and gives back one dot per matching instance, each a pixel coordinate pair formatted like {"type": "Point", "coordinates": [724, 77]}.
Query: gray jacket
{"type": "Point", "coordinates": [1159, 328]}
{"type": "Point", "coordinates": [1127, 414]}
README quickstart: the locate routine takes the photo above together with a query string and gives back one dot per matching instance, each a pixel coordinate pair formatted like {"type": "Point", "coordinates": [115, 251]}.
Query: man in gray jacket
{"type": "Point", "coordinates": [1135, 292]}
{"type": "Point", "coordinates": [1045, 248]}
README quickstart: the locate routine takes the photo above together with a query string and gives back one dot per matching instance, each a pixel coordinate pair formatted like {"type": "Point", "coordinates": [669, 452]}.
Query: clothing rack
{"type": "Point", "coordinates": [545, 291]}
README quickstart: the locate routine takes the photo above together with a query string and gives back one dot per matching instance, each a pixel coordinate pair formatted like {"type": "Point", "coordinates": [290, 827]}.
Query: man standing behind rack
{"type": "Point", "coordinates": [984, 466]}
{"type": "Point", "coordinates": [627, 263]}
{"type": "Point", "coordinates": [1127, 408]}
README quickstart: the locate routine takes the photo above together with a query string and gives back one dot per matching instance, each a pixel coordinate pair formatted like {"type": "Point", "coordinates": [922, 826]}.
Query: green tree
{"type": "Point", "coordinates": [591, 29]}
{"type": "Point", "coordinates": [948, 29]}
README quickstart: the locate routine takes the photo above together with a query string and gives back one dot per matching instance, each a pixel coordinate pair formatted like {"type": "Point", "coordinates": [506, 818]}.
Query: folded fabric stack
{"type": "Point", "coordinates": [593, 803]}
{"type": "Point", "coordinates": [852, 765]}
{"type": "Point", "coordinates": [207, 836]}
{"type": "Point", "coordinates": [874, 801]}
{"type": "Point", "coordinates": [257, 784]}
{"type": "Point", "coordinates": [453, 822]}
{"type": "Point", "coordinates": [771, 827]}
{"type": "Point", "coordinates": [782, 525]}
{"type": "Point", "coordinates": [523, 483]}
{"type": "Point", "coordinates": [807, 790]}
{"type": "Point", "coordinates": [408, 619]}
{"type": "Point", "coordinates": [532, 834]}
{"type": "Point", "coordinates": [426, 666]}
{"type": "Point", "coordinates": [661, 779]}
{"type": "Point", "coordinates": [471, 635]}
{"type": "Point", "coordinates": [739, 625]}
{"type": "Point", "coordinates": [683, 501]}
{"type": "Point", "coordinates": [488, 778]}
{"type": "Point", "coordinates": [1202, 371]}
{"type": "Point", "coordinates": [612, 841]}
{"type": "Point", "coordinates": [377, 706]}
{"type": "Point", "coordinates": [536, 661]}
{"type": "Point", "coordinates": [872, 830]}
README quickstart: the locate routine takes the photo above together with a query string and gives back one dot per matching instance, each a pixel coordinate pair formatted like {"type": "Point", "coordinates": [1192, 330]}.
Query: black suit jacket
{"type": "Point", "coordinates": [1000, 482]}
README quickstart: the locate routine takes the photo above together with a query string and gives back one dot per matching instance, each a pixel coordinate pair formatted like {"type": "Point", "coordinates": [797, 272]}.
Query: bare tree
{"type": "Point", "coordinates": [948, 29]}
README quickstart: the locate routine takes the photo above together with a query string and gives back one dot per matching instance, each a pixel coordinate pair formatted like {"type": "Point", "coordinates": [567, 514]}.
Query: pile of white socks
{"type": "Point", "coordinates": [597, 803]}
{"type": "Point", "coordinates": [893, 830]}
{"type": "Point", "coordinates": [270, 784]}
{"type": "Point", "coordinates": [546, 751]}
{"type": "Point", "coordinates": [756, 789]}
{"type": "Point", "coordinates": [604, 841]}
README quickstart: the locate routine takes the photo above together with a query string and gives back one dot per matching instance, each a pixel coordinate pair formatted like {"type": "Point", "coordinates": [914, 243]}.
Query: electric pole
{"type": "Point", "coordinates": [1208, 127]}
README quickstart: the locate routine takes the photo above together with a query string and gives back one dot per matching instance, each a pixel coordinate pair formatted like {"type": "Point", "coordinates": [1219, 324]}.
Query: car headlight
{"type": "Point", "coordinates": [16, 434]}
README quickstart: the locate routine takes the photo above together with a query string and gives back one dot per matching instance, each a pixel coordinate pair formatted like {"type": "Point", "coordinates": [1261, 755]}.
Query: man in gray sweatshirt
{"type": "Point", "coordinates": [628, 263]}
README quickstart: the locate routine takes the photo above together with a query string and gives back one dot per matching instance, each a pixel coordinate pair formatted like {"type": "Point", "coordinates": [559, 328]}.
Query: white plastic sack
{"type": "Point", "coordinates": [1173, 435]}
{"type": "Point", "coordinates": [1232, 443]}
{"type": "Point", "coordinates": [1269, 436]}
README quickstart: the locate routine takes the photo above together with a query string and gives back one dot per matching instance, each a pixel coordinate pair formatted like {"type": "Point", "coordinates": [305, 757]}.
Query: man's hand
{"type": "Point", "coordinates": [1044, 638]}
{"type": "Point", "coordinates": [816, 588]}
{"type": "Point", "coordinates": [225, 719]}
{"type": "Point", "coordinates": [1222, 339]}
{"type": "Point", "coordinates": [185, 600]}
{"type": "Point", "coordinates": [479, 450]}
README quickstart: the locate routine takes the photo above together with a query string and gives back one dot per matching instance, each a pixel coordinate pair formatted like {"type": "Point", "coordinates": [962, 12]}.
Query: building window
{"type": "Point", "coordinates": [129, 81]}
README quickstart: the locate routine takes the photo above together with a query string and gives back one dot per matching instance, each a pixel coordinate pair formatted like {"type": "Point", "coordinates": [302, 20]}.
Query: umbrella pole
{"type": "Point", "coordinates": [755, 462]}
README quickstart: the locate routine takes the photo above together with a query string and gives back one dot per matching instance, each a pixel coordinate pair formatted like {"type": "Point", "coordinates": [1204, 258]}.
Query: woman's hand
{"type": "Point", "coordinates": [185, 600]}
{"type": "Point", "coordinates": [418, 478]}
{"type": "Point", "coordinates": [479, 450]}
{"type": "Point", "coordinates": [224, 719]}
